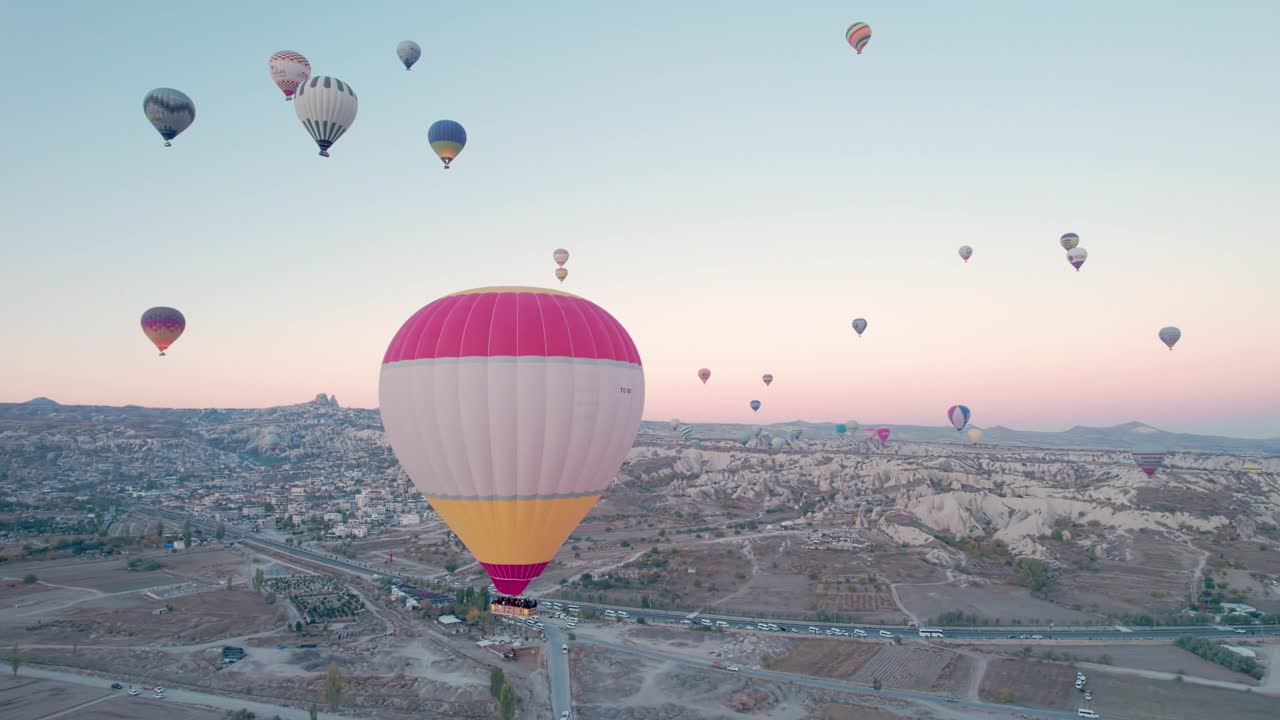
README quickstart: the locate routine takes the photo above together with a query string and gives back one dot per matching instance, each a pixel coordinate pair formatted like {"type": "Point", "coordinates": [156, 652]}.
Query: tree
{"type": "Point", "coordinates": [507, 703]}
{"type": "Point", "coordinates": [473, 616]}
{"type": "Point", "coordinates": [496, 680]}
{"type": "Point", "coordinates": [297, 626]}
{"type": "Point", "coordinates": [451, 565]}
{"type": "Point", "coordinates": [258, 579]}
{"type": "Point", "coordinates": [876, 684]}
{"type": "Point", "coordinates": [15, 659]}
{"type": "Point", "coordinates": [313, 712]}
{"type": "Point", "coordinates": [29, 579]}
{"type": "Point", "coordinates": [1033, 574]}
{"type": "Point", "coordinates": [160, 529]}
{"type": "Point", "coordinates": [767, 661]}
{"type": "Point", "coordinates": [186, 531]}
{"type": "Point", "coordinates": [220, 531]}
{"type": "Point", "coordinates": [333, 687]}
{"type": "Point", "coordinates": [228, 583]}
{"type": "Point", "coordinates": [1005, 695]}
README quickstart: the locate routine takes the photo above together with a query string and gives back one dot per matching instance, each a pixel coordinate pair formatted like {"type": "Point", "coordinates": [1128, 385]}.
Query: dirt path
{"type": "Point", "coordinates": [893, 590]}
{"type": "Point", "coordinates": [980, 662]}
{"type": "Point", "coordinates": [1195, 574]}
{"type": "Point", "coordinates": [1271, 681]}
{"type": "Point", "coordinates": [755, 568]}
{"type": "Point", "coordinates": [1154, 675]}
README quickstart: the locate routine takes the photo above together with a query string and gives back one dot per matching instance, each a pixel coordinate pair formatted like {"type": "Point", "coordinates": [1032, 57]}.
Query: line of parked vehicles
{"type": "Point", "coordinates": [157, 692]}
{"type": "Point", "coordinates": [1081, 681]}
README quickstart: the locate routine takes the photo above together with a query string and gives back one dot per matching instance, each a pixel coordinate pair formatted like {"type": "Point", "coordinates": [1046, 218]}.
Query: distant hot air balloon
{"type": "Point", "coordinates": [859, 325]}
{"type": "Point", "coordinates": [974, 435]}
{"type": "Point", "coordinates": [561, 256]}
{"type": "Point", "coordinates": [853, 425]}
{"type": "Point", "coordinates": [1149, 457]}
{"type": "Point", "coordinates": [1070, 241]}
{"type": "Point", "coordinates": [841, 428]}
{"type": "Point", "coordinates": [958, 415]}
{"type": "Point", "coordinates": [447, 138]}
{"type": "Point", "coordinates": [858, 35]}
{"type": "Point", "coordinates": [704, 375]}
{"type": "Point", "coordinates": [755, 405]}
{"type": "Point", "coordinates": [170, 112]}
{"type": "Point", "coordinates": [966, 252]}
{"type": "Point", "coordinates": [686, 431]}
{"type": "Point", "coordinates": [561, 274]}
{"type": "Point", "coordinates": [675, 423]}
{"type": "Point", "coordinates": [870, 433]}
{"type": "Point", "coordinates": [163, 326]}
{"type": "Point", "coordinates": [883, 433]}
{"type": "Point", "coordinates": [327, 108]}
{"type": "Point", "coordinates": [512, 455]}
{"type": "Point", "coordinates": [778, 443]}
{"type": "Point", "coordinates": [1169, 336]}
{"type": "Point", "coordinates": [288, 70]}
{"type": "Point", "coordinates": [795, 434]}
{"type": "Point", "coordinates": [408, 51]}
{"type": "Point", "coordinates": [745, 437]}
{"type": "Point", "coordinates": [767, 378]}
{"type": "Point", "coordinates": [1077, 256]}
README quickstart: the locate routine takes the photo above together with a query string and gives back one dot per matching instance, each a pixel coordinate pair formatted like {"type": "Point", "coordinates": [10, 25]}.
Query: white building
{"type": "Point", "coordinates": [409, 519]}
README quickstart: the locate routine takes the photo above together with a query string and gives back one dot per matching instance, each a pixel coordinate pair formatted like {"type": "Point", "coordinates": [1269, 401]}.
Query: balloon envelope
{"type": "Point", "coordinates": [966, 252]}
{"type": "Point", "coordinates": [974, 435]}
{"type": "Point", "coordinates": [841, 428]}
{"type": "Point", "coordinates": [561, 274]}
{"type": "Point", "coordinates": [1070, 241]}
{"type": "Point", "coordinates": [704, 375]}
{"type": "Point", "coordinates": [163, 326]}
{"type": "Point", "coordinates": [859, 325]}
{"type": "Point", "coordinates": [755, 405]}
{"type": "Point", "coordinates": [447, 138]}
{"type": "Point", "coordinates": [745, 437]}
{"type": "Point", "coordinates": [1170, 335]}
{"type": "Point", "coordinates": [408, 51]}
{"type": "Point", "coordinates": [169, 111]}
{"type": "Point", "coordinates": [686, 431]}
{"type": "Point", "coordinates": [327, 107]}
{"type": "Point", "coordinates": [858, 35]}
{"type": "Point", "coordinates": [958, 415]}
{"type": "Point", "coordinates": [288, 70]}
{"type": "Point", "coordinates": [767, 378]}
{"type": "Point", "coordinates": [1077, 256]}
{"type": "Point", "coordinates": [883, 433]}
{"type": "Point", "coordinates": [511, 409]}
{"type": "Point", "coordinates": [1148, 457]}
{"type": "Point", "coordinates": [561, 256]}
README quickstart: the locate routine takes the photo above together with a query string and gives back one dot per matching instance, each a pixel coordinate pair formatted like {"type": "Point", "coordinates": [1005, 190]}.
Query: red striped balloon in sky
{"type": "Point", "coordinates": [163, 325]}
{"type": "Point", "coordinates": [858, 35]}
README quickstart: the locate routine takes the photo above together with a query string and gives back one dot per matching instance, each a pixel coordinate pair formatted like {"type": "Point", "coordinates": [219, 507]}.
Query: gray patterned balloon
{"type": "Point", "coordinates": [170, 112]}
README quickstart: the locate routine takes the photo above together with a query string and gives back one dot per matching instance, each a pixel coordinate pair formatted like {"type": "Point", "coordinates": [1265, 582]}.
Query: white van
{"type": "Point", "coordinates": [1086, 713]}
{"type": "Point", "coordinates": [721, 623]}
{"type": "Point", "coordinates": [610, 613]}
{"type": "Point", "coordinates": [886, 634]}
{"type": "Point", "coordinates": [859, 633]}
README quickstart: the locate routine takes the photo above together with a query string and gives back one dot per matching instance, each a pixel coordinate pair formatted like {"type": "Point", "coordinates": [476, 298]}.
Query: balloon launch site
{"type": "Point", "coordinates": [698, 361]}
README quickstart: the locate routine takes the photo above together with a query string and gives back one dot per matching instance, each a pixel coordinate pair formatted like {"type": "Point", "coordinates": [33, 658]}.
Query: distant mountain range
{"type": "Point", "coordinates": [1116, 437]}
{"type": "Point", "coordinates": [1120, 437]}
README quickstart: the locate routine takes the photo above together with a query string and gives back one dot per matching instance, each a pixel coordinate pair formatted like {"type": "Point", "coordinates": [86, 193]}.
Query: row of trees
{"type": "Point", "coordinates": [1219, 654]}
{"type": "Point", "coordinates": [502, 691]}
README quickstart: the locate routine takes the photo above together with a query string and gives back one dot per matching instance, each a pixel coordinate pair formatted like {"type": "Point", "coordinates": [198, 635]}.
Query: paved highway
{"type": "Point", "coordinates": [558, 663]}
{"type": "Point", "coordinates": [1108, 633]}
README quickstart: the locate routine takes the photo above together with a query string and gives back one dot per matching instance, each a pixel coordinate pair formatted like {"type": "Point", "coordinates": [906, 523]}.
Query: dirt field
{"type": "Point", "coordinates": [1036, 684]}
{"type": "Point", "coordinates": [110, 576]}
{"type": "Point", "coordinates": [840, 711]}
{"type": "Point", "coordinates": [918, 667]}
{"type": "Point", "coordinates": [1151, 573]}
{"type": "Point", "coordinates": [1161, 658]}
{"type": "Point", "coordinates": [128, 619]}
{"type": "Point", "coordinates": [1135, 698]}
{"type": "Point", "coordinates": [1002, 602]}
{"type": "Point", "coordinates": [828, 658]}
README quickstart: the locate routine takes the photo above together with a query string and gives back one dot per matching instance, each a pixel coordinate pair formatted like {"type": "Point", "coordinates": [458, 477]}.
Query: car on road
{"type": "Point", "coordinates": [564, 649]}
{"type": "Point", "coordinates": [135, 691]}
{"type": "Point", "coordinates": [158, 696]}
{"type": "Point", "coordinates": [1013, 637]}
{"type": "Point", "coordinates": [953, 698]}
{"type": "Point", "coordinates": [1088, 696]}
{"type": "Point", "coordinates": [159, 690]}
{"type": "Point", "coordinates": [540, 626]}
{"type": "Point", "coordinates": [1086, 713]}
{"type": "Point", "coordinates": [814, 630]}
{"type": "Point", "coordinates": [622, 614]}
{"type": "Point", "coordinates": [721, 623]}
{"type": "Point", "coordinates": [706, 622]}
{"type": "Point", "coordinates": [886, 634]}
{"type": "Point", "coordinates": [718, 665]}
{"type": "Point", "coordinates": [610, 613]}
{"type": "Point", "coordinates": [564, 715]}
{"type": "Point", "coordinates": [733, 668]}
{"type": "Point", "coordinates": [859, 632]}
{"type": "Point", "coordinates": [1037, 637]}
{"type": "Point", "coordinates": [686, 621]}
{"type": "Point", "coordinates": [116, 686]}
{"type": "Point", "coordinates": [1239, 630]}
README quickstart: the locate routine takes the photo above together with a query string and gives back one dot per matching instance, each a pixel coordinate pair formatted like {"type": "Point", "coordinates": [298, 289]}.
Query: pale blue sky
{"type": "Point", "coordinates": [733, 183]}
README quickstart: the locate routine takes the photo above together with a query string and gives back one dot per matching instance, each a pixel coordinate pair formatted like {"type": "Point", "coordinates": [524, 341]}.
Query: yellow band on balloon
{"type": "Point", "coordinates": [513, 289]}
{"type": "Point", "coordinates": [514, 532]}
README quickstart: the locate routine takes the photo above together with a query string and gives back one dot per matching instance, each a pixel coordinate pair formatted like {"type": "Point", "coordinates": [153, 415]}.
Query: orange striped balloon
{"type": "Point", "coordinates": [858, 35]}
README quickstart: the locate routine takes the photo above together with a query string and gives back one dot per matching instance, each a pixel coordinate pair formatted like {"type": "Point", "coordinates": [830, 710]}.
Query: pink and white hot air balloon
{"type": "Point", "coordinates": [1076, 256]}
{"type": "Point", "coordinates": [704, 375]}
{"type": "Point", "coordinates": [966, 252]}
{"type": "Point", "coordinates": [1148, 457]}
{"type": "Point", "coordinates": [289, 70]}
{"type": "Point", "coordinates": [768, 379]}
{"type": "Point", "coordinates": [883, 433]}
{"type": "Point", "coordinates": [870, 433]}
{"type": "Point", "coordinates": [561, 256]}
